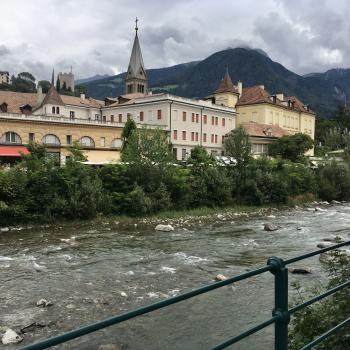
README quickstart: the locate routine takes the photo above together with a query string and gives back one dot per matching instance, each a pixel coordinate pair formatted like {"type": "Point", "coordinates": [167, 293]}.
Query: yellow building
{"type": "Point", "coordinates": [256, 105]}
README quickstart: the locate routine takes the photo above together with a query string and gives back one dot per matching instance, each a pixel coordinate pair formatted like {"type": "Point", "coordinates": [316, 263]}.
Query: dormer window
{"type": "Point", "coordinates": [3, 107]}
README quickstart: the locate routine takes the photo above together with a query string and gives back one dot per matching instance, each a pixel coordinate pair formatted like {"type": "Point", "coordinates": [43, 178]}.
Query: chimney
{"type": "Point", "coordinates": [240, 88]}
{"type": "Point", "coordinates": [39, 95]}
{"type": "Point", "coordinates": [293, 104]}
{"type": "Point", "coordinates": [82, 96]}
{"type": "Point", "coordinates": [262, 87]}
{"type": "Point", "coordinates": [274, 98]}
{"type": "Point", "coordinates": [280, 97]}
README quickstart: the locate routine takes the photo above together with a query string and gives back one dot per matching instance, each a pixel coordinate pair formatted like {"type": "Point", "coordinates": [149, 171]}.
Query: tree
{"type": "Point", "coordinates": [291, 147]}
{"type": "Point", "coordinates": [58, 85]}
{"type": "Point", "coordinates": [342, 118]}
{"type": "Point", "coordinates": [76, 153]}
{"type": "Point", "coordinates": [199, 155]}
{"type": "Point", "coordinates": [45, 85]}
{"type": "Point", "coordinates": [64, 87]}
{"type": "Point", "coordinates": [238, 146]}
{"type": "Point", "coordinates": [129, 128]}
{"type": "Point", "coordinates": [24, 82]}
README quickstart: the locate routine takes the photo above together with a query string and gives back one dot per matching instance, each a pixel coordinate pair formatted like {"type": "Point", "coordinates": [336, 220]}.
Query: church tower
{"type": "Point", "coordinates": [136, 79]}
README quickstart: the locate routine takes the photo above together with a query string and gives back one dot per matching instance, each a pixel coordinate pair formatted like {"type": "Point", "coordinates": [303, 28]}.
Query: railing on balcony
{"type": "Point", "coordinates": [280, 314]}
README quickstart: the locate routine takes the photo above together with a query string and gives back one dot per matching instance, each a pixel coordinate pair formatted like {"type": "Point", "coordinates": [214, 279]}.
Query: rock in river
{"type": "Point", "coordinates": [299, 270]}
{"type": "Point", "coordinates": [270, 227]}
{"type": "Point", "coordinates": [44, 303]}
{"type": "Point", "coordinates": [11, 337]}
{"type": "Point", "coordinates": [220, 277]}
{"type": "Point", "coordinates": [164, 228]}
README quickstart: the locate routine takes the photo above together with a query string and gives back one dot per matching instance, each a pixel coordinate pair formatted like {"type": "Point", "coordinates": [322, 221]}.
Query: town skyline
{"type": "Point", "coordinates": [296, 34]}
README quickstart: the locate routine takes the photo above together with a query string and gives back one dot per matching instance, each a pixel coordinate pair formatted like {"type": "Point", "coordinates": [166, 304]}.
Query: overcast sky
{"type": "Point", "coordinates": [95, 36]}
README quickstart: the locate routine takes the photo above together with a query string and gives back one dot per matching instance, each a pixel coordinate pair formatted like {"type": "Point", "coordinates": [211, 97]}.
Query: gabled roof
{"type": "Point", "coordinates": [264, 130]}
{"type": "Point", "coordinates": [258, 94]}
{"type": "Point", "coordinates": [84, 102]}
{"type": "Point", "coordinates": [226, 85]}
{"type": "Point", "coordinates": [136, 68]}
{"type": "Point", "coordinates": [52, 97]}
{"type": "Point", "coordinates": [15, 100]}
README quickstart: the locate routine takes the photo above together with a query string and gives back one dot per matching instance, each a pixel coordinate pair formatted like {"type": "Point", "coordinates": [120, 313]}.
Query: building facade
{"type": "Point", "coordinates": [66, 79]}
{"type": "Point", "coordinates": [4, 77]}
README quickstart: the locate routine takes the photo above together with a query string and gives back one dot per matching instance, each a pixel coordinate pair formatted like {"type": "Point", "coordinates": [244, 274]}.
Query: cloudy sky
{"type": "Point", "coordinates": [95, 36]}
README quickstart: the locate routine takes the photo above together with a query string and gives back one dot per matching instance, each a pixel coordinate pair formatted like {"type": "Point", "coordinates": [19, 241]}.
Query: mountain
{"type": "Point", "coordinates": [94, 77]}
{"type": "Point", "coordinates": [323, 91]}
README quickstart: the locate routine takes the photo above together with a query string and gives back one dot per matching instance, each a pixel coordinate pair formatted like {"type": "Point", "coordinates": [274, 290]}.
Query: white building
{"type": "Point", "coordinates": [4, 77]}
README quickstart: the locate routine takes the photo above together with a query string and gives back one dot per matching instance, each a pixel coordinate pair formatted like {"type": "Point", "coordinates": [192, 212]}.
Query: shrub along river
{"type": "Point", "coordinates": [110, 268]}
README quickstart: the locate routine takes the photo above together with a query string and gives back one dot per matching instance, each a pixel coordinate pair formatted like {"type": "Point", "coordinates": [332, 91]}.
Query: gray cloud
{"type": "Point", "coordinates": [95, 36]}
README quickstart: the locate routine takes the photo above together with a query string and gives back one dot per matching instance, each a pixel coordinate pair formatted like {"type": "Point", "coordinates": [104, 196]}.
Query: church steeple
{"type": "Point", "coordinates": [136, 79]}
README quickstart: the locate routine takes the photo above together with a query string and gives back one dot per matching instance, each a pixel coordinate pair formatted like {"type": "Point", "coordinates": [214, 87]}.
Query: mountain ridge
{"type": "Point", "coordinates": [322, 91]}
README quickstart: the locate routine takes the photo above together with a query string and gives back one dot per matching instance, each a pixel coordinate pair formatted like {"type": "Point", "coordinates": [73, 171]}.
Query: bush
{"type": "Point", "coordinates": [324, 315]}
{"type": "Point", "coordinates": [137, 203]}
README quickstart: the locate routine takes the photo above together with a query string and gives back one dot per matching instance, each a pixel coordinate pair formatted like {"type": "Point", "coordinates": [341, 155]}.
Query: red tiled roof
{"type": "Point", "coordinates": [264, 130]}
{"type": "Point", "coordinates": [226, 85]}
{"type": "Point", "coordinates": [257, 94]}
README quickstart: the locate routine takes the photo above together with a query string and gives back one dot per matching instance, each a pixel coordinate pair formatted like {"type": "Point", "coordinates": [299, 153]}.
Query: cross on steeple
{"type": "Point", "coordinates": [136, 27]}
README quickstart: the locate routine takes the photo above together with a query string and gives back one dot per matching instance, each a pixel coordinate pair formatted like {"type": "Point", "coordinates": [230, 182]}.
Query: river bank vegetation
{"type": "Point", "coordinates": [148, 181]}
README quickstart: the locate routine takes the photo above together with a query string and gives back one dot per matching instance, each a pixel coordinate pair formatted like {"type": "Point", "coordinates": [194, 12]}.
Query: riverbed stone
{"type": "Point", "coordinates": [270, 227]}
{"type": "Point", "coordinates": [164, 228]}
{"type": "Point", "coordinates": [109, 347]}
{"type": "Point", "coordinates": [299, 270]}
{"type": "Point", "coordinates": [44, 303]}
{"type": "Point", "coordinates": [335, 202]}
{"type": "Point", "coordinates": [4, 229]}
{"type": "Point", "coordinates": [319, 209]}
{"type": "Point", "coordinates": [11, 337]}
{"type": "Point", "coordinates": [220, 277]}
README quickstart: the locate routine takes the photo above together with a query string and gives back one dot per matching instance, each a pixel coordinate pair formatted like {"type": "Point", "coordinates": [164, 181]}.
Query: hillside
{"type": "Point", "coordinates": [323, 91]}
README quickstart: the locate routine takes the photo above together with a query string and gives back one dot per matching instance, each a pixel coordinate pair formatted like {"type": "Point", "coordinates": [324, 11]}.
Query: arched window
{"type": "Point", "coordinates": [87, 141]}
{"type": "Point", "coordinates": [57, 110]}
{"type": "Point", "coordinates": [117, 143]}
{"type": "Point", "coordinates": [51, 140]}
{"type": "Point", "coordinates": [53, 110]}
{"type": "Point", "coordinates": [11, 137]}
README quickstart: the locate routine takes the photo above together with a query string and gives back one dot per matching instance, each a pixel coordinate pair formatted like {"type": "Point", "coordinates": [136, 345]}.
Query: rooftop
{"type": "Point", "coordinates": [264, 130]}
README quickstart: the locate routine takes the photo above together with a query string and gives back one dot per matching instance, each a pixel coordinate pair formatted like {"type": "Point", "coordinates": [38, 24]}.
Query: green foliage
{"type": "Point", "coordinates": [24, 82]}
{"type": "Point", "coordinates": [238, 146]}
{"type": "Point", "coordinates": [128, 130]}
{"type": "Point", "coordinates": [199, 155]}
{"type": "Point", "coordinates": [291, 147]}
{"type": "Point", "coordinates": [45, 85]}
{"type": "Point", "coordinates": [58, 85]}
{"type": "Point", "coordinates": [334, 181]}
{"type": "Point", "coordinates": [317, 319]}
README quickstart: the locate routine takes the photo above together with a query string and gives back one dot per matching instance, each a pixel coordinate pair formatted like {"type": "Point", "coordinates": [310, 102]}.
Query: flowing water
{"type": "Point", "coordinates": [111, 268]}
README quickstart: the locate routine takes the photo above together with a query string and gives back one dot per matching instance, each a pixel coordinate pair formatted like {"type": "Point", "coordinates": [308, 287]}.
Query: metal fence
{"type": "Point", "coordinates": [280, 315]}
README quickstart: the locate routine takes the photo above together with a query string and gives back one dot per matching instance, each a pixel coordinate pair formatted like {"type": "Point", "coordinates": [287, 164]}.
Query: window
{"type": "Point", "coordinates": [222, 139]}
{"type": "Point", "coordinates": [102, 141]}
{"type": "Point", "coordinates": [87, 141]}
{"type": "Point", "coordinates": [184, 117]}
{"type": "Point", "coordinates": [192, 117]}
{"type": "Point", "coordinates": [216, 120]}
{"type": "Point", "coordinates": [159, 114]}
{"type": "Point", "coordinates": [120, 118]}
{"type": "Point", "coordinates": [192, 136]}
{"type": "Point", "coordinates": [271, 117]}
{"type": "Point", "coordinates": [175, 153]}
{"type": "Point", "coordinates": [51, 139]}
{"type": "Point", "coordinates": [31, 137]}
{"type": "Point", "coordinates": [223, 122]}
{"type": "Point", "coordinates": [104, 118]}
{"type": "Point", "coordinates": [212, 120]}
{"type": "Point", "coordinates": [175, 134]}
{"type": "Point", "coordinates": [71, 114]}
{"type": "Point", "coordinates": [57, 110]}
{"type": "Point", "coordinates": [53, 110]}
{"type": "Point", "coordinates": [10, 137]}
{"type": "Point", "coordinates": [216, 138]}
{"type": "Point", "coordinates": [197, 118]}
{"type": "Point", "coordinates": [69, 139]}
{"type": "Point", "coordinates": [197, 136]}
{"type": "Point", "coordinates": [117, 143]}
{"type": "Point", "coordinates": [204, 137]}
{"type": "Point", "coordinates": [184, 135]}
{"type": "Point", "coordinates": [150, 115]}
{"type": "Point", "coordinates": [212, 138]}
{"type": "Point", "coordinates": [141, 116]}
{"type": "Point", "coordinates": [183, 154]}
{"type": "Point", "coordinates": [130, 89]}
{"type": "Point", "coordinates": [254, 117]}
{"type": "Point", "coordinates": [175, 115]}
{"type": "Point", "coordinates": [205, 119]}
{"type": "Point", "coordinates": [97, 117]}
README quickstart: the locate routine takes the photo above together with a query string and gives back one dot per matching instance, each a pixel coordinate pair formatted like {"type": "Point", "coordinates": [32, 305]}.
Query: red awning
{"type": "Point", "coordinates": [13, 151]}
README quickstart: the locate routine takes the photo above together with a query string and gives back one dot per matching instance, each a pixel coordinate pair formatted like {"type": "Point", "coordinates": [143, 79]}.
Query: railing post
{"type": "Point", "coordinates": [281, 302]}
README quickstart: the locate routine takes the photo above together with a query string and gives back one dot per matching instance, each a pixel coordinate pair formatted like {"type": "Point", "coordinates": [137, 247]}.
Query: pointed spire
{"type": "Point", "coordinates": [136, 27]}
{"type": "Point", "coordinates": [226, 84]}
{"type": "Point", "coordinates": [53, 77]}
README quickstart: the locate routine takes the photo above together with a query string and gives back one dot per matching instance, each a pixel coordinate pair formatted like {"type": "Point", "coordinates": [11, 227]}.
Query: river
{"type": "Point", "coordinates": [111, 267]}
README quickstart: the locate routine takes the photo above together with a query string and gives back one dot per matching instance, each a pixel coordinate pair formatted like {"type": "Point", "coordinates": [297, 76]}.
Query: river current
{"type": "Point", "coordinates": [111, 268]}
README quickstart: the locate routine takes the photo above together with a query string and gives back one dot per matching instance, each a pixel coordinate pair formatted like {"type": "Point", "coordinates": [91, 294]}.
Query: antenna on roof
{"type": "Point", "coordinates": [71, 69]}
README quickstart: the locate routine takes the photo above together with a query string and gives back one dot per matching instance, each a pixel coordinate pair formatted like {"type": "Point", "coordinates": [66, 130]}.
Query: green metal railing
{"type": "Point", "coordinates": [280, 314]}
